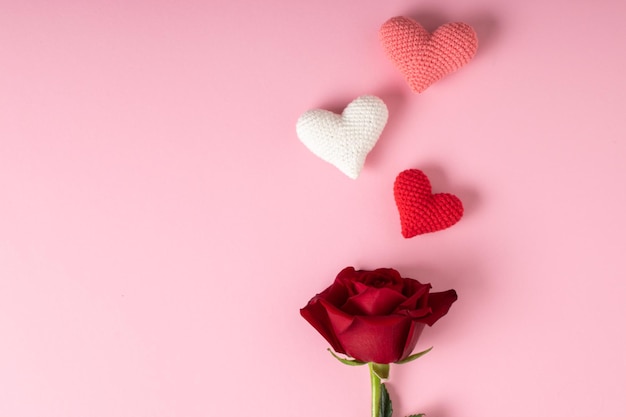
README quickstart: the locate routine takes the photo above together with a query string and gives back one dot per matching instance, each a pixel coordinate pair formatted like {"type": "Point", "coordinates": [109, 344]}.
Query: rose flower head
{"type": "Point", "coordinates": [375, 316]}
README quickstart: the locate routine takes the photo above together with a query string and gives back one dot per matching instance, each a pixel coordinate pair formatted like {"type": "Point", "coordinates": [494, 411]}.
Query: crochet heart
{"type": "Point", "coordinates": [344, 140]}
{"type": "Point", "coordinates": [425, 58]}
{"type": "Point", "coordinates": [421, 211]}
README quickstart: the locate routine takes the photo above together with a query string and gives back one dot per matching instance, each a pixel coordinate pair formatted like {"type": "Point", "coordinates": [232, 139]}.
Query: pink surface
{"type": "Point", "coordinates": [161, 224]}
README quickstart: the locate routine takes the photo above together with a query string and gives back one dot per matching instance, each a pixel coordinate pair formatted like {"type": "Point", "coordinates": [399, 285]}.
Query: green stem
{"type": "Point", "coordinates": [376, 390]}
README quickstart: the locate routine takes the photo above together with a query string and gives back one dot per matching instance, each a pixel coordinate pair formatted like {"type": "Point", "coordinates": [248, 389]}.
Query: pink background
{"type": "Point", "coordinates": [161, 224]}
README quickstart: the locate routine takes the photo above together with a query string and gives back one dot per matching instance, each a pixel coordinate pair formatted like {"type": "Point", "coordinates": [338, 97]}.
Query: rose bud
{"type": "Point", "coordinates": [375, 316]}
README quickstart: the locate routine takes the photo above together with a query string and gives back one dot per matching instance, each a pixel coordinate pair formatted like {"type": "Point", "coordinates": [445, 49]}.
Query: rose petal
{"type": "Point", "coordinates": [418, 314]}
{"type": "Point", "coordinates": [346, 279]}
{"type": "Point", "coordinates": [414, 333]}
{"type": "Point", "coordinates": [315, 313]}
{"type": "Point", "coordinates": [417, 296]}
{"type": "Point", "coordinates": [440, 303]}
{"type": "Point", "coordinates": [346, 275]}
{"type": "Point", "coordinates": [376, 339]}
{"type": "Point", "coordinates": [382, 278]}
{"type": "Point", "coordinates": [336, 294]}
{"type": "Point", "coordinates": [338, 319]}
{"type": "Point", "coordinates": [373, 302]}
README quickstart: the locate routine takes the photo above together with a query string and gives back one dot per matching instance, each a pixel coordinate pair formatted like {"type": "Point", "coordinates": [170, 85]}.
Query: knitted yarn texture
{"type": "Point", "coordinates": [344, 140]}
{"type": "Point", "coordinates": [420, 210]}
{"type": "Point", "coordinates": [425, 58]}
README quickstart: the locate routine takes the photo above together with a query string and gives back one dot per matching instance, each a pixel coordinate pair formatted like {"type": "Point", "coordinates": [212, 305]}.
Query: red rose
{"type": "Point", "coordinates": [375, 316]}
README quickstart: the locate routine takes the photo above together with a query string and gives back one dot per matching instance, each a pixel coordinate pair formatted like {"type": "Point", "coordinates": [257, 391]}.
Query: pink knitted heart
{"type": "Point", "coordinates": [425, 58]}
{"type": "Point", "coordinates": [421, 211]}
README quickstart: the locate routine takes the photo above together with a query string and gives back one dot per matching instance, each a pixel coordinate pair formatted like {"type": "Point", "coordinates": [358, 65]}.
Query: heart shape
{"type": "Point", "coordinates": [344, 140]}
{"type": "Point", "coordinates": [421, 211]}
{"type": "Point", "coordinates": [425, 58]}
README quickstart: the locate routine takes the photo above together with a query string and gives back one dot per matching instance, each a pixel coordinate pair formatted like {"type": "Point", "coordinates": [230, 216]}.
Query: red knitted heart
{"type": "Point", "coordinates": [421, 211]}
{"type": "Point", "coordinates": [425, 58]}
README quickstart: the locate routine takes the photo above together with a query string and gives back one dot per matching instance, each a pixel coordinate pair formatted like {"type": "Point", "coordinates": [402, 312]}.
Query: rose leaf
{"type": "Point", "coordinates": [385, 402]}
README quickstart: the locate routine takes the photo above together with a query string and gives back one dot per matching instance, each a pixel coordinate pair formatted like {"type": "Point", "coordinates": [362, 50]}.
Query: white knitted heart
{"type": "Point", "coordinates": [344, 140]}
